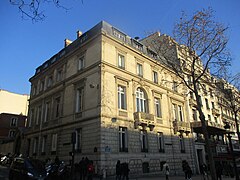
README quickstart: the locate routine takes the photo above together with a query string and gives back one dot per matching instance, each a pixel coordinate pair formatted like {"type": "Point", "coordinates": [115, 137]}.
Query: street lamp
{"type": "Point", "coordinates": [228, 133]}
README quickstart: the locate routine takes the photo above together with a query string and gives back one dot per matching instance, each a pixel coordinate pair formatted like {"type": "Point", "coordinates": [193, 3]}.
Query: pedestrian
{"type": "Point", "coordinates": [167, 171]}
{"type": "Point", "coordinates": [219, 170]}
{"type": "Point", "coordinates": [118, 170]}
{"type": "Point", "coordinates": [187, 170]}
{"type": "Point", "coordinates": [203, 171]}
{"type": "Point", "coordinates": [81, 169]}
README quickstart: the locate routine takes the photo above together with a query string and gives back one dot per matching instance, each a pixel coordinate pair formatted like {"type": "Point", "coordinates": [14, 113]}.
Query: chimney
{"type": "Point", "coordinates": [79, 33]}
{"type": "Point", "coordinates": [67, 42]}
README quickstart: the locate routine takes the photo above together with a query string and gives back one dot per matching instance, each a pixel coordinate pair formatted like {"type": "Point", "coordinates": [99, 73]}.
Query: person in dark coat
{"type": "Point", "coordinates": [219, 170]}
{"type": "Point", "coordinates": [81, 169]}
{"type": "Point", "coordinates": [118, 170]}
{"type": "Point", "coordinates": [187, 170]}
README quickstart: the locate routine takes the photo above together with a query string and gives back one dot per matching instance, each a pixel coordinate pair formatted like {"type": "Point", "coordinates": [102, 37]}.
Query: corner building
{"type": "Point", "coordinates": [112, 91]}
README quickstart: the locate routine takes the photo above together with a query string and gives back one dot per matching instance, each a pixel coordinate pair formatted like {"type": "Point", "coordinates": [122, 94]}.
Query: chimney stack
{"type": "Point", "coordinates": [79, 33]}
{"type": "Point", "coordinates": [67, 42]}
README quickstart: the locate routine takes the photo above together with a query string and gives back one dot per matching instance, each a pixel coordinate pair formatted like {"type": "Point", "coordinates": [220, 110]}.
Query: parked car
{"type": "Point", "coordinates": [26, 168]}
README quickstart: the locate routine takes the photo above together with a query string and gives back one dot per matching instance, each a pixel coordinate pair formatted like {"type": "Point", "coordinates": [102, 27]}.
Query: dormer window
{"type": "Point", "coordinates": [119, 35]}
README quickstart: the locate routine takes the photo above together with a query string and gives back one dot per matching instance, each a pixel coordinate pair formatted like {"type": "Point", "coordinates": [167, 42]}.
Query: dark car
{"type": "Point", "coordinates": [26, 168]}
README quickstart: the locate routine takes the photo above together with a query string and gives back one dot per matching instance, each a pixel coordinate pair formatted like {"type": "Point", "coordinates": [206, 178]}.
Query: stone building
{"type": "Point", "coordinates": [117, 98]}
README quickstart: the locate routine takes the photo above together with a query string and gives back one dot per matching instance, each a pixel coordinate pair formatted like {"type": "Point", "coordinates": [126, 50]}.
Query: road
{"type": "Point", "coordinates": [4, 173]}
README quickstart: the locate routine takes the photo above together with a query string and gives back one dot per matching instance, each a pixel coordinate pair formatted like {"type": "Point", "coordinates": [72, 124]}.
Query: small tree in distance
{"type": "Point", "coordinates": [202, 43]}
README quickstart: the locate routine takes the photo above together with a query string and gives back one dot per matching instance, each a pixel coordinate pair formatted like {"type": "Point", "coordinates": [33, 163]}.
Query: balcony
{"type": "Point", "coordinates": [215, 111]}
{"type": "Point", "coordinates": [192, 102]}
{"type": "Point", "coordinates": [181, 126]}
{"type": "Point", "coordinates": [144, 119]}
{"type": "Point", "coordinates": [212, 127]}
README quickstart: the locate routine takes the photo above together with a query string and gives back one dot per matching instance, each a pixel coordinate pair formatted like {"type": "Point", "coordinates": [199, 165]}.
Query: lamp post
{"type": "Point", "coordinates": [228, 133]}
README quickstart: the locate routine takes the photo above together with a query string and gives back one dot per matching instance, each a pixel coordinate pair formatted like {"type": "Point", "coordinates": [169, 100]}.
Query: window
{"type": "Point", "coordinates": [119, 34]}
{"type": "Point", "coordinates": [175, 86]}
{"type": "Point", "coordinates": [211, 92]}
{"type": "Point", "coordinates": [13, 121]}
{"type": "Point", "coordinates": [141, 100]}
{"type": "Point", "coordinates": [194, 114]}
{"type": "Point", "coordinates": [79, 100]}
{"type": "Point", "coordinates": [139, 70]}
{"type": "Point", "coordinates": [11, 133]}
{"type": "Point", "coordinates": [215, 119]}
{"type": "Point", "coordinates": [122, 97]}
{"type": "Point", "coordinates": [57, 107]}
{"type": "Point", "coordinates": [213, 106]}
{"type": "Point", "coordinates": [81, 63]}
{"type": "Point", "coordinates": [47, 111]}
{"type": "Point", "coordinates": [191, 95]}
{"type": "Point", "coordinates": [34, 90]}
{"type": "Point", "coordinates": [178, 112]}
{"type": "Point", "coordinates": [182, 144]}
{"type": "Point", "coordinates": [143, 139]}
{"type": "Point", "coordinates": [49, 81]}
{"type": "Point", "coordinates": [54, 142]}
{"type": "Point", "coordinates": [121, 61]}
{"type": "Point", "coordinates": [207, 105]}
{"type": "Point", "coordinates": [31, 118]}
{"type": "Point", "coordinates": [155, 77]}
{"type": "Point", "coordinates": [39, 115]}
{"type": "Point", "coordinates": [59, 75]}
{"type": "Point", "coordinates": [209, 117]}
{"type": "Point", "coordinates": [157, 104]}
{"type": "Point", "coordinates": [78, 145]}
{"type": "Point", "coordinates": [41, 86]}
{"type": "Point", "coordinates": [35, 146]}
{"type": "Point", "coordinates": [43, 148]}
{"type": "Point", "coordinates": [123, 143]}
{"type": "Point", "coordinates": [160, 142]}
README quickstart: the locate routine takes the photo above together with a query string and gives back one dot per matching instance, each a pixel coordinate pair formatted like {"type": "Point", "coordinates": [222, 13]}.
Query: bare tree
{"type": "Point", "coordinates": [32, 9]}
{"type": "Point", "coordinates": [199, 45]}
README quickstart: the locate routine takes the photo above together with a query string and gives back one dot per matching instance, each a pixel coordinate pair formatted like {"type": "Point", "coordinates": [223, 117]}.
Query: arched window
{"type": "Point", "coordinates": [141, 100]}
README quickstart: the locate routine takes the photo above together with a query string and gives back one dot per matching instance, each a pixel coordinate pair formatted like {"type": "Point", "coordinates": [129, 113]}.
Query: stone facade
{"type": "Point", "coordinates": [110, 92]}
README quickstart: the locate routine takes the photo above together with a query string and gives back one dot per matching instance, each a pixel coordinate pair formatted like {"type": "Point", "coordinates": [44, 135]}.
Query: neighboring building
{"type": "Point", "coordinates": [215, 105]}
{"type": "Point", "coordinates": [122, 104]}
{"type": "Point", "coordinates": [13, 103]}
{"type": "Point", "coordinates": [11, 129]}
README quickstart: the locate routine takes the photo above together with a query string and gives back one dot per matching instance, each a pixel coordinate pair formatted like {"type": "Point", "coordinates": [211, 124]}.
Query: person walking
{"type": "Point", "coordinates": [167, 171]}
{"type": "Point", "coordinates": [203, 171]}
{"type": "Point", "coordinates": [118, 170]}
{"type": "Point", "coordinates": [187, 170]}
{"type": "Point", "coordinates": [219, 170]}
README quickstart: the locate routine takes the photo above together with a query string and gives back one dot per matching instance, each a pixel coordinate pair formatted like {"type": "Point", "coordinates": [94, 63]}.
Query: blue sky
{"type": "Point", "coordinates": [25, 45]}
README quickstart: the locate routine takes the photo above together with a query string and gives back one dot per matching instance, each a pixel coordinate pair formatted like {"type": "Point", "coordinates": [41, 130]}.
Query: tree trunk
{"type": "Point", "coordinates": [206, 137]}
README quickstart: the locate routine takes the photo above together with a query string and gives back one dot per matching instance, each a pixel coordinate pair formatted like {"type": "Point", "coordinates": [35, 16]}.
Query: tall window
{"type": "Point", "coordinates": [57, 107]}
{"type": "Point", "coordinates": [13, 122]}
{"type": "Point", "coordinates": [49, 81]}
{"type": "Point", "coordinates": [213, 106]}
{"type": "Point", "coordinates": [78, 145]}
{"type": "Point", "coordinates": [178, 112]}
{"type": "Point", "coordinates": [39, 115]}
{"type": "Point", "coordinates": [47, 111]}
{"type": "Point", "coordinates": [11, 133]}
{"type": "Point", "coordinates": [31, 118]}
{"type": "Point", "coordinates": [157, 104]}
{"type": "Point", "coordinates": [41, 86]}
{"type": "Point", "coordinates": [141, 100]}
{"type": "Point", "coordinates": [139, 70]}
{"type": "Point", "coordinates": [215, 119]}
{"type": "Point", "coordinates": [79, 99]}
{"type": "Point", "coordinates": [194, 114]}
{"type": "Point", "coordinates": [175, 86]}
{"type": "Point", "coordinates": [121, 61]}
{"type": "Point", "coordinates": [160, 142]}
{"type": "Point", "coordinates": [81, 63]}
{"type": "Point", "coordinates": [122, 97]}
{"type": "Point", "coordinates": [155, 77]}
{"type": "Point", "coordinates": [207, 105]}
{"type": "Point", "coordinates": [44, 141]}
{"type": "Point", "coordinates": [123, 143]}
{"type": "Point", "coordinates": [59, 75]}
{"type": "Point", "coordinates": [143, 140]}
{"type": "Point", "coordinates": [182, 144]}
{"type": "Point", "coordinates": [54, 143]}
{"type": "Point", "coordinates": [209, 117]}
{"type": "Point", "coordinates": [35, 146]}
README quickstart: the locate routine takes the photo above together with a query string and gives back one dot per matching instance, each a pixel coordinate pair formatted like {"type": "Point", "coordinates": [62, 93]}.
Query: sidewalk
{"type": "Point", "coordinates": [195, 177]}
